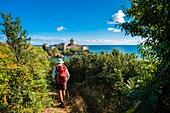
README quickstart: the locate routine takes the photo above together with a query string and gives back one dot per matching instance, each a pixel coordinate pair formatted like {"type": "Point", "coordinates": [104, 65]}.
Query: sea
{"type": "Point", "coordinates": [108, 48]}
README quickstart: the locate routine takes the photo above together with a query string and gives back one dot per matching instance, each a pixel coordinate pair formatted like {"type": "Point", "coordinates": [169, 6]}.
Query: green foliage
{"type": "Point", "coordinates": [56, 52]}
{"type": "Point", "coordinates": [23, 86]}
{"type": "Point", "coordinates": [67, 51]}
{"type": "Point", "coordinates": [150, 20]}
{"type": "Point", "coordinates": [53, 52]}
{"type": "Point", "coordinates": [24, 70]}
{"type": "Point", "coordinates": [72, 51]}
{"type": "Point", "coordinates": [16, 38]}
{"type": "Point", "coordinates": [105, 81]}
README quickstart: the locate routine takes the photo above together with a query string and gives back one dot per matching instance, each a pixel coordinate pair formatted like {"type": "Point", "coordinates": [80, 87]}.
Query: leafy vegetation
{"type": "Point", "coordinates": [16, 38]}
{"type": "Point", "coordinates": [52, 52]}
{"type": "Point", "coordinates": [107, 82]}
{"type": "Point", "coordinates": [151, 22]}
{"type": "Point", "coordinates": [23, 71]}
{"type": "Point", "coordinates": [72, 51]}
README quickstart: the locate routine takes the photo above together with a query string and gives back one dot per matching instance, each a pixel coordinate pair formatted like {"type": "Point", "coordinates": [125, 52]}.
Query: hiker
{"type": "Point", "coordinates": [61, 76]}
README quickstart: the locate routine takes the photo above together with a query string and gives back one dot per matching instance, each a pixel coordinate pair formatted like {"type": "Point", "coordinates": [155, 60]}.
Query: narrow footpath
{"type": "Point", "coordinates": [57, 110]}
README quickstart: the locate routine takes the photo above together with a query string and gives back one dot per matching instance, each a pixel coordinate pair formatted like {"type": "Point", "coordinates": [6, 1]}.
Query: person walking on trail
{"type": "Point", "coordinates": [61, 76]}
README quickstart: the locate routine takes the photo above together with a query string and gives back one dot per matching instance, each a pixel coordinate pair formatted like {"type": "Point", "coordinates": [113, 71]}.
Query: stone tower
{"type": "Point", "coordinates": [72, 42]}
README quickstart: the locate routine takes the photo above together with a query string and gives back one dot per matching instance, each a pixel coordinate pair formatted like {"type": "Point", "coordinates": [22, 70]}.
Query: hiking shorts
{"type": "Point", "coordinates": [61, 86]}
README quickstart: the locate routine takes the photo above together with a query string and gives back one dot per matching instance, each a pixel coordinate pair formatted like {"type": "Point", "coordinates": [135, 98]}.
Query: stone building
{"type": "Point", "coordinates": [45, 46]}
{"type": "Point", "coordinates": [71, 42]}
{"type": "Point", "coordinates": [63, 46]}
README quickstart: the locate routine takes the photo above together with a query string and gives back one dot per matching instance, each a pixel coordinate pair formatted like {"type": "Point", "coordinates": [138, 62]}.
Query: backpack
{"type": "Point", "coordinates": [61, 74]}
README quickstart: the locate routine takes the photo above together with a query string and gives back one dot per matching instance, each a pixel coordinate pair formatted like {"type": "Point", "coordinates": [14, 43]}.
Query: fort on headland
{"type": "Point", "coordinates": [63, 46]}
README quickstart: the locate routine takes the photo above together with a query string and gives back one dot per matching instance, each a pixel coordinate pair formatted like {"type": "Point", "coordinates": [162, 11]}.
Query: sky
{"type": "Point", "coordinates": [88, 22]}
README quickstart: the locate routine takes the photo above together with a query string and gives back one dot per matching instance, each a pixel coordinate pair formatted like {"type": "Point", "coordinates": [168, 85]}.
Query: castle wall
{"type": "Point", "coordinates": [74, 46]}
{"type": "Point", "coordinates": [84, 48]}
{"type": "Point", "coordinates": [62, 46]}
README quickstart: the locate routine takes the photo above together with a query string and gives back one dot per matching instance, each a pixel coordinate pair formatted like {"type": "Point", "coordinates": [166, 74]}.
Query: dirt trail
{"type": "Point", "coordinates": [57, 109]}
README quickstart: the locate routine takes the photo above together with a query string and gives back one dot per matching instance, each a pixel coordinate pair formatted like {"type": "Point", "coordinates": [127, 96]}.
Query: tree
{"type": "Point", "coordinates": [55, 52]}
{"type": "Point", "coordinates": [151, 22]}
{"type": "Point", "coordinates": [150, 19]}
{"type": "Point", "coordinates": [23, 71]}
{"type": "Point", "coordinates": [16, 38]}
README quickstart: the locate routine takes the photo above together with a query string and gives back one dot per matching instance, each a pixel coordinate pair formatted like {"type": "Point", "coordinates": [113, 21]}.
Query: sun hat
{"type": "Point", "coordinates": [60, 61]}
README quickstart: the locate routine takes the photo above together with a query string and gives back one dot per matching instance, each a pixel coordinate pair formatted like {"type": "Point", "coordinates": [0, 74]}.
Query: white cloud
{"type": "Point", "coordinates": [117, 18]}
{"type": "Point", "coordinates": [61, 28]}
{"type": "Point", "coordinates": [39, 40]}
{"type": "Point", "coordinates": [113, 29]}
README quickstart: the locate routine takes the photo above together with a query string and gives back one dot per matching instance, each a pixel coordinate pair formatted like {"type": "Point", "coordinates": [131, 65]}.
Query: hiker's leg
{"type": "Point", "coordinates": [64, 91]}
{"type": "Point", "coordinates": [58, 90]}
{"type": "Point", "coordinates": [61, 99]}
{"type": "Point", "coordinates": [61, 96]}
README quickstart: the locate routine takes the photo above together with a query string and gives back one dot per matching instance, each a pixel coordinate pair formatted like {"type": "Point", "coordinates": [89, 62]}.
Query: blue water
{"type": "Point", "coordinates": [122, 48]}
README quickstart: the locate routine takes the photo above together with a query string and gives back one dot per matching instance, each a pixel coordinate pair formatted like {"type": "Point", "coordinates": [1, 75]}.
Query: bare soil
{"type": "Point", "coordinates": [57, 109]}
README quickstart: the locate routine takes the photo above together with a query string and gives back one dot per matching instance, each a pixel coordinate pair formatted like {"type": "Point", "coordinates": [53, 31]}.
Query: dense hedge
{"type": "Point", "coordinates": [23, 87]}
{"type": "Point", "coordinates": [108, 82]}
